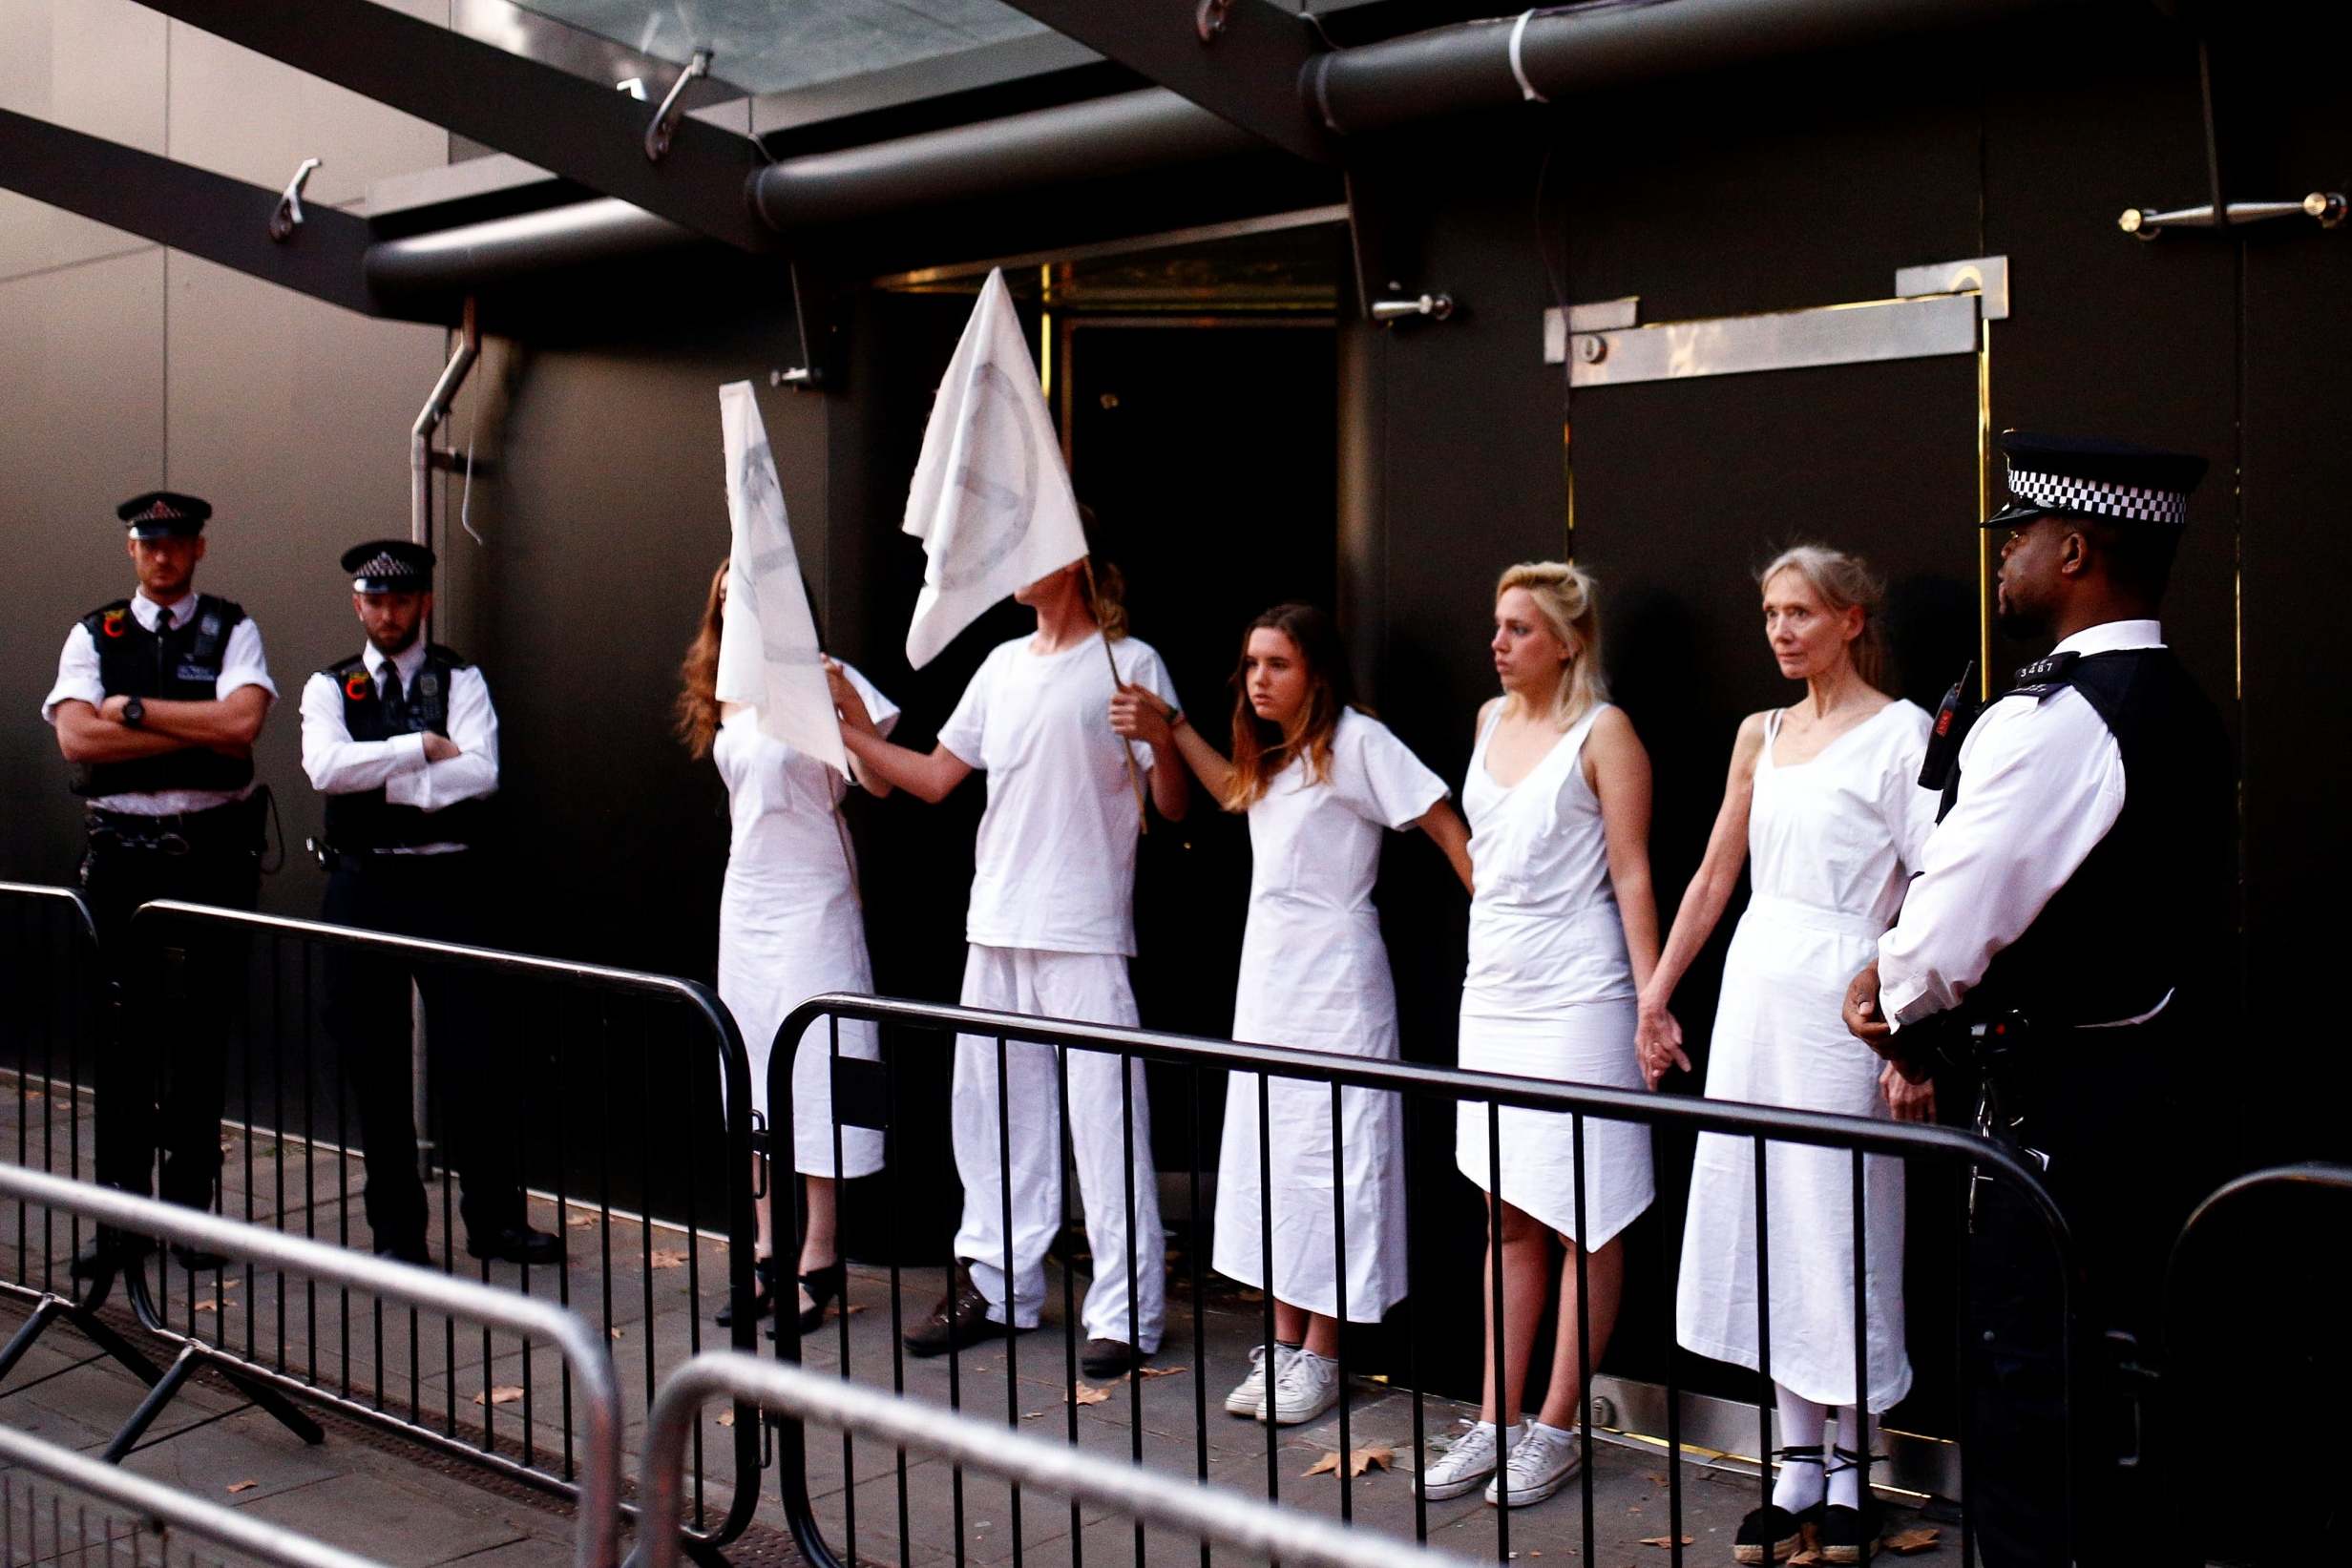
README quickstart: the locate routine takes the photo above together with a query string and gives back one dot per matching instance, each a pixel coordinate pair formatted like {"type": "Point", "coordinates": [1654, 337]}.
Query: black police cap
{"type": "Point", "coordinates": [163, 514]}
{"type": "Point", "coordinates": [2087, 478]}
{"type": "Point", "coordinates": [389, 566]}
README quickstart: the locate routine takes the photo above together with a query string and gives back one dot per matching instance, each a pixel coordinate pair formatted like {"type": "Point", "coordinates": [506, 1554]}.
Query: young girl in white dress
{"type": "Point", "coordinates": [1562, 929]}
{"type": "Point", "coordinates": [789, 927]}
{"type": "Point", "coordinates": [1824, 803]}
{"type": "Point", "coordinates": [1322, 783]}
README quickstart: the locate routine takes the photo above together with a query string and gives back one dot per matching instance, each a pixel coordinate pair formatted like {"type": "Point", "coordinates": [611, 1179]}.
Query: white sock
{"type": "Point", "coordinates": [1799, 1484]}
{"type": "Point", "coordinates": [1534, 1426]}
{"type": "Point", "coordinates": [1845, 1471]}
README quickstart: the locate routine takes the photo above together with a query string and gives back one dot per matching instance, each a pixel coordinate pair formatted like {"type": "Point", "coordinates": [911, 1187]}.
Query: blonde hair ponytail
{"type": "Point", "coordinates": [1565, 597]}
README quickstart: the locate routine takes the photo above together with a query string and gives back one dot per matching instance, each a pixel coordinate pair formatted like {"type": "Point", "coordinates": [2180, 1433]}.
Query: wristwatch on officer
{"type": "Point", "coordinates": [134, 713]}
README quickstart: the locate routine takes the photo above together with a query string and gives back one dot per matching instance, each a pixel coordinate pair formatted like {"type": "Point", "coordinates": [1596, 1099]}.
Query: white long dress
{"type": "Point", "coordinates": [1830, 845]}
{"type": "Point", "coordinates": [1315, 975]}
{"type": "Point", "coordinates": [790, 925]}
{"type": "Point", "coordinates": [1549, 992]}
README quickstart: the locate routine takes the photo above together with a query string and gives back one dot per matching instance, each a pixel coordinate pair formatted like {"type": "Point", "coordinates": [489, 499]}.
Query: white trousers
{"type": "Point", "coordinates": [1091, 988]}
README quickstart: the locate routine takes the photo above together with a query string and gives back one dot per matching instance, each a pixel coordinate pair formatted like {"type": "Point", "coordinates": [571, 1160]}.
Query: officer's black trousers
{"type": "Point", "coordinates": [158, 1073]}
{"type": "Point", "coordinates": [468, 1023]}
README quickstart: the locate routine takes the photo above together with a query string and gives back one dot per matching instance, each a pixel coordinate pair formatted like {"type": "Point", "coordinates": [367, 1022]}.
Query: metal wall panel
{"type": "Point", "coordinates": [96, 67]}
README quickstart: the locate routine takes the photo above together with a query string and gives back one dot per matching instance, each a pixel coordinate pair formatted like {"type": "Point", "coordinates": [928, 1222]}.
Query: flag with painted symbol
{"type": "Point", "coordinates": [991, 500]}
{"type": "Point", "coordinates": [767, 645]}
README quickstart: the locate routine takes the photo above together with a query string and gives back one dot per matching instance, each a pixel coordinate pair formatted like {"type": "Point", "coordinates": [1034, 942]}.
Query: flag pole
{"type": "Point", "coordinates": [1135, 776]}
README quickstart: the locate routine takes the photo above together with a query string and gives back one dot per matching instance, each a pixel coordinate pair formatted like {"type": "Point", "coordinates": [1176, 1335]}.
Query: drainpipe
{"type": "Point", "coordinates": [420, 532]}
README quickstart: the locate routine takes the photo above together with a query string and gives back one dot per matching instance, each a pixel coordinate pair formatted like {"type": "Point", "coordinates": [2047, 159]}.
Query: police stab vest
{"type": "Point", "coordinates": [2150, 910]}
{"type": "Point", "coordinates": [365, 819]}
{"type": "Point", "coordinates": [181, 665]}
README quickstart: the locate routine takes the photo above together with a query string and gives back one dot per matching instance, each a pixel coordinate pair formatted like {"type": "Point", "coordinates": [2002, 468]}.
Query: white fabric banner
{"type": "Point", "coordinates": [768, 645]}
{"type": "Point", "coordinates": [991, 500]}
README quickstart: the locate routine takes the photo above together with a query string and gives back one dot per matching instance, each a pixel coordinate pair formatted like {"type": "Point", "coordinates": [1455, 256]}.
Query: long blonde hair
{"type": "Point", "coordinates": [698, 697]}
{"type": "Point", "coordinates": [1843, 581]}
{"type": "Point", "coordinates": [1565, 597]}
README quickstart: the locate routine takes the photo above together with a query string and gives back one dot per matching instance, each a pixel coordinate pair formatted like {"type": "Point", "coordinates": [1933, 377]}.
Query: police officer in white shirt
{"type": "Point", "coordinates": [403, 742]}
{"type": "Point", "coordinates": [2067, 945]}
{"type": "Point", "coordinates": [157, 702]}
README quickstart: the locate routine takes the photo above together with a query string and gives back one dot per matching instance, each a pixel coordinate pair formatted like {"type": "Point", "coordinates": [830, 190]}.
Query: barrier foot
{"type": "Point", "coordinates": [43, 1315]}
{"type": "Point", "coordinates": [276, 1406]}
{"type": "Point", "coordinates": [50, 1309]}
{"type": "Point", "coordinates": [152, 1406]}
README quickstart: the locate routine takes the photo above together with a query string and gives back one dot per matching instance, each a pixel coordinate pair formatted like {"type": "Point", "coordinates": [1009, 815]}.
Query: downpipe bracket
{"type": "Point", "coordinates": [289, 217]}
{"type": "Point", "coordinates": [664, 124]}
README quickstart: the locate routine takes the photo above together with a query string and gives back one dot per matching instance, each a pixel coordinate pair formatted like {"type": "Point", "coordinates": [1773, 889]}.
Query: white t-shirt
{"type": "Point", "coordinates": [1055, 866]}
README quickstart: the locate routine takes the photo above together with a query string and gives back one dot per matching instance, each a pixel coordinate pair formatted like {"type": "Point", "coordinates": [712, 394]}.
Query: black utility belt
{"type": "Point", "coordinates": [234, 825]}
{"type": "Point", "coordinates": [333, 858]}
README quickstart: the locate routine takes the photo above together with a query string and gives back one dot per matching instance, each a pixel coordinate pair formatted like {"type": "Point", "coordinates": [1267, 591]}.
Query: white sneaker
{"type": "Point", "coordinates": [1540, 1463]}
{"type": "Point", "coordinates": [1250, 1391]}
{"type": "Point", "coordinates": [1305, 1386]}
{"type": "Point", "coordinates": [1465, 1462]}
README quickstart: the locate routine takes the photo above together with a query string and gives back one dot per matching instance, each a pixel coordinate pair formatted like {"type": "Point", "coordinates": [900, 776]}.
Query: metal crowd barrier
{"type": "Point", "coordinates": [56, 1000]}
{"type": "Point", "coordinates": [1258, 1530]}
{"type": "Point", "coordinates": [1758, 1124]}
{"type": "Point", "coordinates": [634, 1110]}
{"type": "Point", "coordinates": [589, 1364]}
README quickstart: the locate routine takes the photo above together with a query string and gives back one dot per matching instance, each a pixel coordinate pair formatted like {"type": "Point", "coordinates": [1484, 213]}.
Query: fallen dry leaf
{"type": "Point", "coordinates": [1166, 1371]}
{"type": "Point", "coordinates": [242, 1486]}
{"type": "Point", "coordinates": [1360, 1461]}
{"type": "Point", "coordinates": [205, 1307]}
{"type": "Point", "coordinates": [582, 1222]}
{"type": "Point", "coordinates": [505, 1393]}
{"type": "Point", "coordinates": [727, 1417]}
{"type": "Point", "coordinates": [664, 1258]}
{"type": "Point", "coordinates": [618, 1333]}
{"type": "Point", "coordinates": [1667, 1541]}
{"type": "Point", "coordinates": [1917, 1539]}
{"type": "Point", "coordinates": [1086, 1393]}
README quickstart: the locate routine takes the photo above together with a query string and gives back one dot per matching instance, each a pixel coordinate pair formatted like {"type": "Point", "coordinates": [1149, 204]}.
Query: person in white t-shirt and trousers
{"type": "Point", "coordinates": [1051, 927]}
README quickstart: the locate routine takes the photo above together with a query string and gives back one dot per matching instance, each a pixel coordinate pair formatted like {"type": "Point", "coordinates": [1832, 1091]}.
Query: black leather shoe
{"type": "Point", "coordinates": [1848, 1535]}
{"type": "Point", "coordinates": [517, 1244]}
{"type": "Point", "coordinates": [763, 1294]}
{"type": "Point", "coordinates": [1770, 1534]}
{"type": "Point", "coordinates": [414, 1253]}
{"type": "Point", "coordinates": [1108, 1358]}
{"type": "Point", "coordinates": [110, 1252]}
{"type": "Point", "coordinates": [197, 1259]}
{"type": "Point", "coordinates": [959, 1321]}
{"type": "Point", "coordinates": [823, 1286]}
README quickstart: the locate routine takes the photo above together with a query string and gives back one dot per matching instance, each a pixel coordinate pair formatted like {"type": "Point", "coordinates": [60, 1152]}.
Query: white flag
{"type": "Point", "coordinates": [768, 645]}
{"type": "Point", "coordinates": [991, 500]}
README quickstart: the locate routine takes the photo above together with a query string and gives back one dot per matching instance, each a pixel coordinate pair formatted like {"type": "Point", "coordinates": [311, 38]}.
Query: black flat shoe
{"type": "Point", "coordinates": [1849, 1534]}
{"type": "Point", "coordinates": [196, 1260]}
{"type": "Point", "coordinates": [1770, 1534]}
{"type": "Point", "coordinates": [110, 1252]}
{"type": "Point", "coordinates": [517, 1243]}
{"type": "Point", "coordinates": [763, 1294]}
{"type": "Point", "coordinates": [823, 1285]}
{"type": "Point", "coordinates": [1108, 1358]}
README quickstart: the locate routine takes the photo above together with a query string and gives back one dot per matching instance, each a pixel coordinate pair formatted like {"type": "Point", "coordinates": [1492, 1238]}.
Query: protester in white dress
{"type": "Point", "coordinates": [1321, 780]}
{"type": "Point", "coordinates": [1823, 803]}
{"type": "Point", "coordinates": [1051, 928]}
{"type": "Point", "coordinates": [1562, 929]}
{"type": "Point", "coordinates": [789, 927]}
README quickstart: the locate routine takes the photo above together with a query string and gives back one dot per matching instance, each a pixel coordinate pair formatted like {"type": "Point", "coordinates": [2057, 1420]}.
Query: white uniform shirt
{"type": "Point", "coordinates": [1054, 868]}
{"type": "Point", "coordinates": [339, 765]}
{"type": "Point", "coordinates": [2041, 785]}
{"type": "Point", "coordinates": [241, 664]}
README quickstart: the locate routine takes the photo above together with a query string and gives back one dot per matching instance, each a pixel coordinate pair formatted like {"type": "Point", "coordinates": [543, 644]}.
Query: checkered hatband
{"type": "Point", "coordinates": [2097, 498]}
{"type": "Point", "coordinates": [381, 570]}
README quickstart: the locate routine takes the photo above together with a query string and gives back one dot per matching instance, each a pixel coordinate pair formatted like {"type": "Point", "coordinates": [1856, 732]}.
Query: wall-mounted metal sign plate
{"type": "Point", "coordinates": [1937, 309]}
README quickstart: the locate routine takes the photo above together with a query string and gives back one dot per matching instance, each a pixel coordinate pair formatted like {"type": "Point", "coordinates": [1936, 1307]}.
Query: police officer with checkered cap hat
{"type": "Point", "coordinates": [401, 741]}
{"type": "Point", "coordinates": [2065, 945]}
{"type": "Point", "coordinates": [158, 699]}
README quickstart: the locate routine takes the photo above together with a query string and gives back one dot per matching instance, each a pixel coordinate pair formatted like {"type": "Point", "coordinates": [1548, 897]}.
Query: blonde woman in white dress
{"type": "Point", "coordinates": [1563, 928]}
{"type": "Point", "coordinates": [789, 927]}
{"type": "Point", "coordinates": [1323, 784]}
{"type": "Point", "coordinates": [1824, 804]}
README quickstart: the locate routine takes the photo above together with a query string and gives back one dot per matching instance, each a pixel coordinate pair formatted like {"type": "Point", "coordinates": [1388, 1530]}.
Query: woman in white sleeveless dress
{"type": "Point", "coordinates": [789, 927]}
{"type": "Point", "coordinates": [1824, 803]}
{"type": "Point", "coordinates": [1563, 930]}
{"type": "Point", "coordinates": [1323, 782]}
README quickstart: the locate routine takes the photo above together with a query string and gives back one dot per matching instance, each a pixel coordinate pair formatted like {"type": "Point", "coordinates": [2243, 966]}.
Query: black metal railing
{"type": "Point", "coordinates": [632, 1131]}
{"type": "Point", "coordinates": [50, 973]}
{"type": "Point", "coordinates": [1960, 1153]}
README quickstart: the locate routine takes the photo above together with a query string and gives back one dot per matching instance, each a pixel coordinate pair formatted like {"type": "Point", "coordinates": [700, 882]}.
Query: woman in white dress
{"type": "Point", "coordinates": [1321, 780]}
{"type": "Point", "coordinates": [1824, 803]}
{"type": "Point", "coordinates": [1562, 929]}
{"type": "Point", "coordinates": [789, 926]}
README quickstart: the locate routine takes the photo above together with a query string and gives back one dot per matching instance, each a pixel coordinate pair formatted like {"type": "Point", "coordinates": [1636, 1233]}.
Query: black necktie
{"type": "Point", "coordinates": [387, 688]}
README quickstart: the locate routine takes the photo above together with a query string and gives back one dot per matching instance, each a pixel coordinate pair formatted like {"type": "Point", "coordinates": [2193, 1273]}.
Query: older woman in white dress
{"type": "Point", "coordinates": [789, 927]}
{"type": "Point", "coordinates": [1824, 804]}
{"type": "Point", "coordinates": [1323, 782]}
{"type": "Point", "coordinates": [1563, 930]}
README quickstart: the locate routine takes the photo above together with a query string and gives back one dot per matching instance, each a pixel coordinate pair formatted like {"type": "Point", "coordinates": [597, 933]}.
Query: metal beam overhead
{"type": "Point", "coordinates": [1242, 60]}
{"type": "Point", "coordinates": [194, 210]}
{"type": "Point", "coordinates": [577, 128]}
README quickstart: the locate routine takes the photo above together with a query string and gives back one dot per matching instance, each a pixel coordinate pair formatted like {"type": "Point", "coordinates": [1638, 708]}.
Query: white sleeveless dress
{"type": "Point", "coordinates": [1315, 975]}
{"type": "Point", "coordinates": [790, 925]}
{"type": "Point", "coordinates": [1549, 992]}
{"type": "Point", "coordinates": [1832, 844]}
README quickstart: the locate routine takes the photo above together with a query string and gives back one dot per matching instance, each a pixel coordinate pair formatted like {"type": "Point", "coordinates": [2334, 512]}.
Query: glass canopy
{"type": "Point", "coordinates": [771, 45]}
